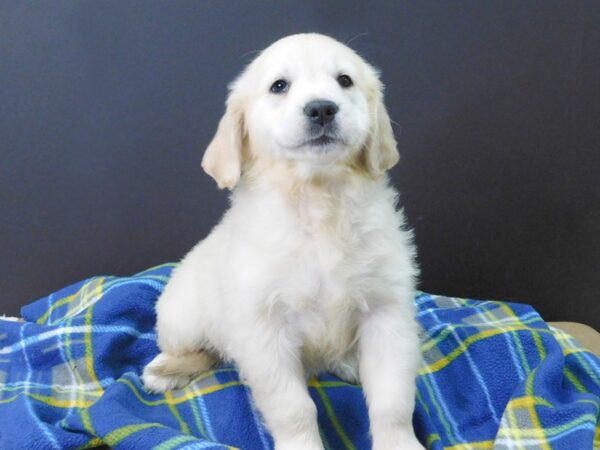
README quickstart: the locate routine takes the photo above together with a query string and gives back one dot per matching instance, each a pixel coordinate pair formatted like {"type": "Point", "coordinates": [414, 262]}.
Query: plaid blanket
{"type": "Point", "coordinates": [495, 376]}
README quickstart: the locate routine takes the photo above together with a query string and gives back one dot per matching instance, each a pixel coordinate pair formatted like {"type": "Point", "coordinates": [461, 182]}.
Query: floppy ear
{"type": "Point", "coordinates": [380, 152]}
{"type": "Point", "coordinates": [223, 157]}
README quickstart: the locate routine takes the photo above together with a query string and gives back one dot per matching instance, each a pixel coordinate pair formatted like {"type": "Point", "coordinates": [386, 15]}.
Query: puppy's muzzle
{"type": "Point", "coordinates": [320, 112]}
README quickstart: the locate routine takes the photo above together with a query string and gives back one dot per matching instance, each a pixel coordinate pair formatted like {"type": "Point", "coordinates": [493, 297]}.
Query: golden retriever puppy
{"type": "Point", "coordinates": [311, 268]}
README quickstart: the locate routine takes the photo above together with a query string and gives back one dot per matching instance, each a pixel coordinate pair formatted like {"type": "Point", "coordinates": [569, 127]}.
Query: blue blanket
{"type": "Point", "coordinates": [495, 375]}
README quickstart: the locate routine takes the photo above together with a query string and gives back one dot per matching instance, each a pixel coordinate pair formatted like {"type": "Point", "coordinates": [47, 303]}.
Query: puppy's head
{"type": "Point", "coordinates": [308, 101]}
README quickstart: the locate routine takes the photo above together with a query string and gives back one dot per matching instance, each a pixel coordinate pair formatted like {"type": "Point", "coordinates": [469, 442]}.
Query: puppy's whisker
{"type": "Point", "coordinates": [250, 53]}
{"type": "Point", "coordinates": [398, 126]}
{"type": "Point", "coordinates": [359, 35]}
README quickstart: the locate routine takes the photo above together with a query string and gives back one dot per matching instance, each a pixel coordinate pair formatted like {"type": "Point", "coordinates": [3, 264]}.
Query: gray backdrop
{"type": "Point", "coordinates": [106, 108]}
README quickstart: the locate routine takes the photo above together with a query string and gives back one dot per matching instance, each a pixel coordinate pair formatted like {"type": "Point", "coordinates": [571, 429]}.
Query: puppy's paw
{"type": "Point", "coordinates": [159, 384]}
{"type": "Point", "coordinates": [159, 376]}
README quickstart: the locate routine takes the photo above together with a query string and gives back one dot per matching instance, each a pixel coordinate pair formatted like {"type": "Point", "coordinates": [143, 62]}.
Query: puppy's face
{"type": "Point", "coordinates": [307, 99]}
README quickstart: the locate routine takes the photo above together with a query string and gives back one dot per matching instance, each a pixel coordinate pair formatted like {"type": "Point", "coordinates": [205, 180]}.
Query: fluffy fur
{"type": "Point", "coordinates": [311, 268]}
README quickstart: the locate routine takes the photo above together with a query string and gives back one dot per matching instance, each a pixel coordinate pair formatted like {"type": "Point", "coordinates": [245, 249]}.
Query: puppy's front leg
{"type": "Point", "coordinates": [389, 360]}
{"type": "Point", "coordinates": [270, 364]}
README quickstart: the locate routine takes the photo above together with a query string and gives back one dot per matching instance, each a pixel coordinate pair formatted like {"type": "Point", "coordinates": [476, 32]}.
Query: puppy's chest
{"type": "Point", "coordinates": [321, 302]}
{"type": "Point", "coordinates": [325, 258]}
{"type": "Point", "coordinates": [324, 286]}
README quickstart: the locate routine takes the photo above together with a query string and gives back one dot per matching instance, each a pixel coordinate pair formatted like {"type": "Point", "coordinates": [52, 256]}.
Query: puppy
{"type": "Point", "coordinates": [311, 268]}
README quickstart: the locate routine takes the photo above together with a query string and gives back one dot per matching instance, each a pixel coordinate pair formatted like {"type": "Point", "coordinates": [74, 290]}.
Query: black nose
{"type": "Point", "coordinates": [320, 111]}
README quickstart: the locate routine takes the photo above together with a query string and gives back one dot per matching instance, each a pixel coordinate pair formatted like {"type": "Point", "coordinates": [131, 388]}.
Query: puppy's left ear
{"type": "Point", "coordinates": [223, 157]}
{"type": "Point", "coordinates": [381, 151]}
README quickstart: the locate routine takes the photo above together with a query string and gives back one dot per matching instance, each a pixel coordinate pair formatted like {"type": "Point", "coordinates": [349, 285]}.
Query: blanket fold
{"type": "Point", "coordinates": [495, 376]}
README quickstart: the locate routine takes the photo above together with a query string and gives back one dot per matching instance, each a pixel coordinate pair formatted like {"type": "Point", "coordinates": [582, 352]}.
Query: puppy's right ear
{"type": "Point", "coordinates": [223, 157]}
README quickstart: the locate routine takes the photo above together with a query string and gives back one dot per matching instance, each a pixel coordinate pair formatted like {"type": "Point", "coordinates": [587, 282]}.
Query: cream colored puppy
{"type": "Point", "coordinates": [311, 268]}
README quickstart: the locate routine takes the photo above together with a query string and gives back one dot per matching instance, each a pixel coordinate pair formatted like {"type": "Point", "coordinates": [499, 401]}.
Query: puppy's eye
{"type": "Point", "coordinates": [280, 87]}
{"type": "Point", "coordinates": [345, 81]}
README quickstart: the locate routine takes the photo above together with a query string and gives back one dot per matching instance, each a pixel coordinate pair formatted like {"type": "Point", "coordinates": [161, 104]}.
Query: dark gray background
{"type": "Point", "coordinates": [106, 108]}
